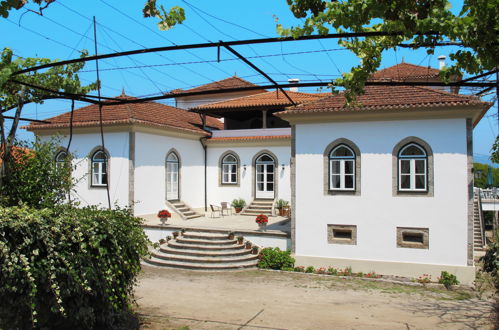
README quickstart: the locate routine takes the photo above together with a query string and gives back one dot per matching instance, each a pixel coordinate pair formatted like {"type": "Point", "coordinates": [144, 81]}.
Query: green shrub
{"type": "Point", "coordinates": [33, 177]}
{"type": "Point", "coordinates": [310, 269]}
{"type": "Point", "coordinates": [239, 203]}
{"type": "Point", "coordinates": [491, 260]}
{"type": "Point", "coordinates": [299, 269]}
{"type": "Point", "coordinates": [448, 279]}
{"type": "Point", "coordinates": [65, 268]}
{"type": "Point", "coordinates": [288, 269]}
{"type": "Point", "coordinates": [332, 271]}
{"type": "Point", "coordinates": [274, 258]}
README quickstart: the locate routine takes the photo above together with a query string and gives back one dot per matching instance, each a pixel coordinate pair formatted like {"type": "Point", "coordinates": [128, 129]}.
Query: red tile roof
{"type": "Point", "coordinates": [232, 82]}
{"type": "Point", "coordinates": [268, 99]}
{"type": "Point", "coordinates": [146, 113]}
{"type": "Point", "coordinates": [406, 71]}
{"type": "Point", "coordinates": [388, 97]}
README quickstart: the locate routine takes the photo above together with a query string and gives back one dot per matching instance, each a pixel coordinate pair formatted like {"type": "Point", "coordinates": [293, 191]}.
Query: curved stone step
{"type": "Point", "coordinates": [178, 245]}
{"type": "Point", "coordinates": [188, 252]}
{"type": "Point", "coordinates": [226, 241]}
{"type": "Point", "coordinates": [215, 259]}
{"type": "Point", "coordinates": [203, 236]}
{"type": "Point", "coordinates": [197, 266]}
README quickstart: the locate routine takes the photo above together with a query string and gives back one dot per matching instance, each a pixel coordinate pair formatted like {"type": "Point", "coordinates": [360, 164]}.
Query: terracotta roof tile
{"type": "Point", "coordinates": [388, 97]}
{"type": "Point", "coordinates": [232, 82]}
{"type": "Point", "coordinates": [146, 113]}
{"type": "Point", "coordinates": [268, 99]}
{"type": "Point", "coordinates": [407, 71]}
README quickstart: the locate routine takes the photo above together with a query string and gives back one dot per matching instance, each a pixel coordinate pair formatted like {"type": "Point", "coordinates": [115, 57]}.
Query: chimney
{"type": "Point", "coordinates": [441, 62]}
{"type": "Point", "coordinates": [293, 81]}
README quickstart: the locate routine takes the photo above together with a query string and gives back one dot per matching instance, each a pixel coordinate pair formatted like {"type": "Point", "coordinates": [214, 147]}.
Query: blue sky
{"type": "Point", "coordinates": [65, 28]}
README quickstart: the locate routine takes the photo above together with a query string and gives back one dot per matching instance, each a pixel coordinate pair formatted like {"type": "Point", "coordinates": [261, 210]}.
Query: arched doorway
{"type": "Point", "coordinates": [172, 176]}
{"type": "Point", "coordinates": [265, 177]}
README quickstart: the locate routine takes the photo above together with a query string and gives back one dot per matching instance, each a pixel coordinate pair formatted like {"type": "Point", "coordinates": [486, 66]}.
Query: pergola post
{"type": "Point", "coordinates": [264, 118]}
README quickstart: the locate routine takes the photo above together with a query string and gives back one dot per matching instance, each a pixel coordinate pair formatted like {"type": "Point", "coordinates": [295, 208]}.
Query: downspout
{"type": "Point", "coordinates": [205, 147]}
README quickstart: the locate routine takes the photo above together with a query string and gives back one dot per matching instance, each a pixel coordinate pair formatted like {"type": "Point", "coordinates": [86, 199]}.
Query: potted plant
{"type": "Point", "coordinates": [240, 239]}
{"type": "Point", "coordinates": [248, 245]}
{"type": "Point", "coordinates": [162, 241]}
{"type": "Point", "coordinates": [231, 235]}
{"type": "Point", "coordinates": [254, 249]}
{"type": "Point", "coordinates": [238, 204]}
{"type": "Point", "coordinates": [262, 221]}
{"type": "Point", "coordinates": [175, 234]}
{"type": "Point", "coordinates": [182, 231]}
{"type": "Point", "coordinates": [282, 206]}
{"type": "Point", "coordinates": [163, 216]}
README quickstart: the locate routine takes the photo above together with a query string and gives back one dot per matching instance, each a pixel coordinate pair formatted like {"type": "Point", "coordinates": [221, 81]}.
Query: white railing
{"type": "Point", "coordinates": [489, 193]}
{"type": "Point", "coordinates": [252, 132]}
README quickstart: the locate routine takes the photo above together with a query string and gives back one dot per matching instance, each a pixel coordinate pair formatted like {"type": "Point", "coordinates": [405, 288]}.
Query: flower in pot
{"type": "Point", "coordinates": [262, 221]}
{"type": "Point", "coordinates": [254, 249]}
{"type": "Point", "coordinates": [240, 239]}
{"type": "Point", "coordinates": [282, 206]}
{"type": "Point", "coordinates": [163, 216]}
{"type": "Point", "coordinates": [238, 204]}
{"type": "Point", "coordinates": [248, 245]}
{"type": "Point", "coordinates": [231, 235]}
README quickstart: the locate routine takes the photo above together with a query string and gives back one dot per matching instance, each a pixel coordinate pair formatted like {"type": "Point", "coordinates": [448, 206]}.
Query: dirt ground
{"type": "Point", "coordinates": [176, 299]}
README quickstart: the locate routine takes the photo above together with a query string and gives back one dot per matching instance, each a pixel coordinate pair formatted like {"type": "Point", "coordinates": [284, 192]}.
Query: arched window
{"type": "Point", "coordinates": [342, 168]}
{"type": "Point", "coordinates": [412, 168]}
{"type": "Point", "coordinates": [99, 169]}
{"type": "Point", "coordinates": [61, 158]}
{"type": "Point", "coordinates": [229, 169]}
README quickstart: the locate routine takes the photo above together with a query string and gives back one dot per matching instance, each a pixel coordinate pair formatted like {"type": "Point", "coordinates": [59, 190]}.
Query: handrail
{"type": "Point", "coordinates": [480, 217]}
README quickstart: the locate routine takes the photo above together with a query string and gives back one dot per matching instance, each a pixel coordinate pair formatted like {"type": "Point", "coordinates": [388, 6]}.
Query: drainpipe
{"type": "Point", "coordinates": [205, 147]}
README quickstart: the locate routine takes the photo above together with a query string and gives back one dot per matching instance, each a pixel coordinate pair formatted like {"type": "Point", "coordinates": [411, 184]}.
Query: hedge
{"type": "Point", "coordinates": [67, 267]}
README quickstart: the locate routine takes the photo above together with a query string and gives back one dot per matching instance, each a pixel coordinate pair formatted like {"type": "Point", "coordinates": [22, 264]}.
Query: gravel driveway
{"type": "Point", "coordinates": [173, 299]}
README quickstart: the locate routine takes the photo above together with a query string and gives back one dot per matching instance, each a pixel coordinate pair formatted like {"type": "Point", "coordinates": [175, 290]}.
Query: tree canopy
{"type": "Point", "coordinates": [416, 23]}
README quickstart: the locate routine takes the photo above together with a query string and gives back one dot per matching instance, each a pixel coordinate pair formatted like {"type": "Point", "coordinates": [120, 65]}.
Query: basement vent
{"type": "Point", "coordinates": [415, 238]}
{"type": "Point", "coordinates": [342, 234]}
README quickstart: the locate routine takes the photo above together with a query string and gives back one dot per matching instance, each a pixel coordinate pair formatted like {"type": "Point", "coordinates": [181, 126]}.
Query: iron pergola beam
{"type": "Point", "coordinates": [254, 67]}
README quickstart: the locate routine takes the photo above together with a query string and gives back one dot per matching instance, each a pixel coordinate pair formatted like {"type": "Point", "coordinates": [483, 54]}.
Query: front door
{"type": "Point", "coordinates": [172, 177]}
{"type": "Point", "coordinates": [265, 168]}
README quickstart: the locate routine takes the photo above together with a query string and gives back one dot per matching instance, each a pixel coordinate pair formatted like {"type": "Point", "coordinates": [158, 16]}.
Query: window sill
{"type": "Point", "coordinates": [343, 192]}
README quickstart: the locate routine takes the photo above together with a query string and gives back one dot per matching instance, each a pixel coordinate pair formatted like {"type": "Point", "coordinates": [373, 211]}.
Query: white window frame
{"type": "Point", "coordinates": [342, 160]}
{"type": "Point", "coordinates": [98, 169]}
{"type": "Point", "coordinates": [229, 170]}
{"type": "Point", "coordinates": [412, 168]}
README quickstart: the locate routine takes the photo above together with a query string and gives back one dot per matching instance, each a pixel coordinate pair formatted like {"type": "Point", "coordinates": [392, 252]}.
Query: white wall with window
{"type": "Point", "coordinates": [247, 155]}
{"type": "Point", "coordinates": [91, 189]}
{"type": "Point", "coordinates": [156, 174]}
{"type": "Point", "coordinates": [378, 211]}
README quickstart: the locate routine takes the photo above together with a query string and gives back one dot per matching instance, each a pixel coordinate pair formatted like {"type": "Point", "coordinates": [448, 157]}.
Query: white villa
{"type": "Point", "coordinates": [385, 185]}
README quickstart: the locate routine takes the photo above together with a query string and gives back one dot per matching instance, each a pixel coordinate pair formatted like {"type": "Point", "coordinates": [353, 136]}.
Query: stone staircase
{"type": "Point", "coordinates": [478, 233]}
{"type": "Point", "coordinates": [259, 206]}
{"type": "Point", "coordinates": [203, 250]}
{"type": "Point", "coordinates": [183, 210]}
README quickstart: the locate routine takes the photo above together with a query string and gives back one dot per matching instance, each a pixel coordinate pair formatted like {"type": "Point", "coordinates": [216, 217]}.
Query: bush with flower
{"type": "Point", "coordinates": [262, 219]}
{"type": "Point", "coordinates": [164, 214]}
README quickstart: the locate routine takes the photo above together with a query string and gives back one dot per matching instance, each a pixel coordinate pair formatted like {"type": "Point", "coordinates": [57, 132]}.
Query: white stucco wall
{"type": "Point", "coordinates": [116, 144]}
{"type": "Point", "coordinates": [224, 193]}
{"type": "Point", "coordinates": [150, 172]}
{"type": "Point", "coordinates": [376, 212]}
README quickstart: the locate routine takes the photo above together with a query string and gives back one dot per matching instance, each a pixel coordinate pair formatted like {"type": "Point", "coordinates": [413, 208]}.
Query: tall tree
{"type": "Point", "coordinates": [14, 94]}
{"type": "Point", "coordinates": [420, 23]}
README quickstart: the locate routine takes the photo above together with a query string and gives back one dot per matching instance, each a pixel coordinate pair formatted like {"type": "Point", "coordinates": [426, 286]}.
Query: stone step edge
{"type": "Point", "coordinates": [234, 252]}
{"type": "Point", "coordinates": [207, 248]}
{"type": "Point", "coordinates": [184, 240]}
{"type": "Point", "coordinates": [186, 265]}
{"type": "Point", "coordinates": [204, 259]}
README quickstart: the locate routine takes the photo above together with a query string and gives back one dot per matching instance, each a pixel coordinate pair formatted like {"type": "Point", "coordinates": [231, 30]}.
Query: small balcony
{"type": "Point", "coordinates": [252, 132]}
